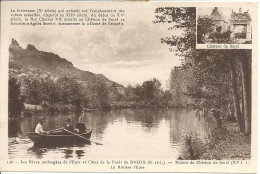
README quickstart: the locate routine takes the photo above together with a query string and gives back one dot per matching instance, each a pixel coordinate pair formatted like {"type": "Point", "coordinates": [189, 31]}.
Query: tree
{"type": "Point", "coordinates": [210, 86]}
{"type": "Point", "coordinates": [234, 85]}
{"type": "Point", "coordinates": [32, 90]}
{"type": "Point", "coordinates": [183, 19]}
{"type": "Point", "coordinates": [220, 37]}
{"type": "Point", "coordinates": [157, 90]}
{"type": "Point", "coordinates": [139, 93]}
{"type": "Point", "coordinates": [130, 93]}
{"type": "Point", "coordinates": [214, 72]}
{"type": "Point", "coordinates": [167, 97]}
{"type": "Point", "coordinates": [176, 83]}
{"type": "Point", "coordinates": [49, 90]}
{"type": "Point", "coordinates": [216, 75]}
{"type": "Point", "coordinates": [205, 26]}
{"type": "Point", "coordinates": [149, 88]}
{"type": "Point", "coordinates": [70, 91]}
{"type": "Point", "coordinates": [103, 96]}
{"type": "Point", "coordinates": [245, 65]}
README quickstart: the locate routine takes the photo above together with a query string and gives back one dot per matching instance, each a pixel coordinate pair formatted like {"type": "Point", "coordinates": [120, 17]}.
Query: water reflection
{"type": "Point", "coordinates": [13, 127]}
{"type": "Point", "coordinates": [38, 152]}
{"type": "Point", "coordinates": [129, 133]}
{"type": "Point", "coordinates": [79, 153]}
{"type": "Point", "coordinates": [68, 153]}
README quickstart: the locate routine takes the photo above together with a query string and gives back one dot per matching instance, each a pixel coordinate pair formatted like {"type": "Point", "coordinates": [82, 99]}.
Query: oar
{"type": "Point", "coordinates": [81, 136]}
{"type": "Point", "coordinates": [55, 130]}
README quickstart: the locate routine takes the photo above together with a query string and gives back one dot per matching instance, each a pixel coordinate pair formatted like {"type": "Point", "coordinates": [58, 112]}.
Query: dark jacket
{"type": "Point", "coordinates": [69, 127]}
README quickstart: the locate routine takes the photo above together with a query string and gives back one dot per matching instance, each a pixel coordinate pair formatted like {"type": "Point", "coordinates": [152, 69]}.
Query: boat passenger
{"type": "Point", "coordinates": [80, 128]}
{"type": "Point", "coordinates": [39, 129]}
{"type": "Point", "coordinates": [68, 125]}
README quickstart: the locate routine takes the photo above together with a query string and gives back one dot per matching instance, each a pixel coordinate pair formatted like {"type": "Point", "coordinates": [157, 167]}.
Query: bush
{"type": "Point", "coordinates": [218, 37]}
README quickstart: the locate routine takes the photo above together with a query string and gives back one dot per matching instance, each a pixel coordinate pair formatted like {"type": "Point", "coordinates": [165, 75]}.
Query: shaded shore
{"type": "Point", "coordinates": [228, 143]}
{"type": "Point", "coordinates": [225, 143]}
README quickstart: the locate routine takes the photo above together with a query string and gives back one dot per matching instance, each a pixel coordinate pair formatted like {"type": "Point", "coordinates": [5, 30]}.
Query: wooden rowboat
{"type": "Point", "coordinates": [59, 139]}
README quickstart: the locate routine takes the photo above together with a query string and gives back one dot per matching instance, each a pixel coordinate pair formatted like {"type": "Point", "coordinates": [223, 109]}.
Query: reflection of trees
{"type": "Point", "coordinates": [15, 103]}
{"type": "Point", "coordinates": [149, 118]}
{"type": "Point", "coordinates": [79, 153]}
{"type": "Point", "coordinates": [186, 122]}
{"type": "Point", "coordinates": [181, 121]}
{"type": "Point", "coordinates": [68, 153]}
{"type": "Point", "coordinates": [13, 127]}
{"type": "Point", "coordinates": [37, 151]}
{"type": "Point", "coordinates": [99, 120]}
{"type": "Point", "coordinates": [26, 126]}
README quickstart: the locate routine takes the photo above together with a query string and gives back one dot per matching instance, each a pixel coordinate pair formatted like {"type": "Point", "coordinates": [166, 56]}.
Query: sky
{"type": "Point", "coordinates": [127, 54]}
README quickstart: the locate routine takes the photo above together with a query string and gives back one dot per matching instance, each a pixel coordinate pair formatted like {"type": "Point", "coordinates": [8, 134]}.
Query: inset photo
{"type": "Point", "coordinates": [220, 25]}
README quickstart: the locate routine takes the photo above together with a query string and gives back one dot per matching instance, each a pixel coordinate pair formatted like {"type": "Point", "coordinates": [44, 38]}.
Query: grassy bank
{"type": "Point", "coordinates": [228, 143]}
{"type": "Point", "coordinates": [225, 143]}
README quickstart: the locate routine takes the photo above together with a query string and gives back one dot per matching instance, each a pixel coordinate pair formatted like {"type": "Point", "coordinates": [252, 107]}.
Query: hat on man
{"type": "Point", "coordinates": [41, 120]}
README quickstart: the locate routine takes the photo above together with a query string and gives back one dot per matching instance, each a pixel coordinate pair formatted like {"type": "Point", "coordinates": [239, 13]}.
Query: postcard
{"type": "Point", "coordinates": [128, 86]}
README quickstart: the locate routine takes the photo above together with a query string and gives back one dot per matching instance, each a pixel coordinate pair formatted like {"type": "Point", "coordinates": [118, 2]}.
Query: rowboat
{"type": "Point", "coordinates": [59, 138]}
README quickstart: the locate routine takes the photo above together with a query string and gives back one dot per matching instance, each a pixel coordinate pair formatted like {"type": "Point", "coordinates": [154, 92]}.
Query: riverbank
{"type": "Point", "coordinates": [225, 143]}
{"type": "Point", "coordinates": [29, 109]}
{"type": "Point", "coordinates": [228, 143]}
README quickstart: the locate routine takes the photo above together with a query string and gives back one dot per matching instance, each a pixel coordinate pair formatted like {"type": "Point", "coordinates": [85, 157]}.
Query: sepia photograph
{"type": "Point", "coordinates": [220, 25]}
{"type": "Point", "coordinates": [123, 86]}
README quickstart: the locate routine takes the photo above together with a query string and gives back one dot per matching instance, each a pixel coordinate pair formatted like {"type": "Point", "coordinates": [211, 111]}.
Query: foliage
{"type": "Point", "coordinates": [240, 35]}
{"type": "Point", "coordinates": [167, 97]}
{"type": "Point", "coordinates": [214, 85]}
{"type": "Point", "coordinates": [139, 92]}
{"type": "Point", "coordinates": [45, 91]}
{"type": "Point", "coordinates": [149, 93]}
{"type": "Point", "coordinates": [13, 65]}
{"type": "Point", "coordinates": [183, 19]}
{"type": "Point", "coordinates": [33, 91]}
{"type": "Point", "coordinates": [205, 25]}
{"type": "Point", "coordinates": [102, 94]}
{"type": "Point", "coordinates": [69, 91]}
{"type": "Point", "coordinates": [211, 83]}
{"type": "Point", "coordinates": [149, 88]}
{"type": "Point", "coordinates": [179, 78]}
{"type": "Point", "coordinates": [218, 37]}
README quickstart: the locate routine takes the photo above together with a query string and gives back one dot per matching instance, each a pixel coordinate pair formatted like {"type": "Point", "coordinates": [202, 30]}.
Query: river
{"type": "Point", "coordinates": [125, 134]}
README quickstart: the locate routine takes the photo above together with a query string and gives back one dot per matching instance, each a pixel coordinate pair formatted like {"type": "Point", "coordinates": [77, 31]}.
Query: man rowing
{"type": "Point", "coordinates": [39, 129]}
{"type": "Point", "coordinates": [80, 127]}
{"type": "Point", "coordinates": [68, 125]}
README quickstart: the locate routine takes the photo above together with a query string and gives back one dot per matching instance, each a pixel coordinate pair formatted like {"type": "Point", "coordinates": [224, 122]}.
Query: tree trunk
{"type": "Point", "coordinates": [216, 115]}
{"type": "Point", "coordinates": [246, 82]}
{"type": "Point", "coordinates": [242, 98]}
{"type": "Point", "coordinates": [235, 96]}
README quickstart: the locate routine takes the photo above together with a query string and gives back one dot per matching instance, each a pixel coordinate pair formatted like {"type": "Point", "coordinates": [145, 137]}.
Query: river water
{"type": "Point", "coordinates": [125, 134]}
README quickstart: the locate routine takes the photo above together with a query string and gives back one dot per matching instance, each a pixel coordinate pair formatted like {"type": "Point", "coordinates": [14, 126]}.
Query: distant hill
{"type": "Point", "coordinates": [46, 62]}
